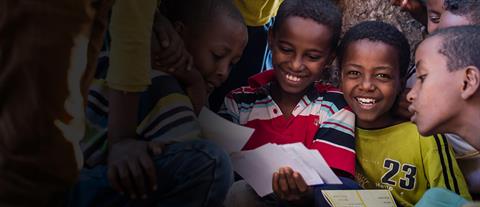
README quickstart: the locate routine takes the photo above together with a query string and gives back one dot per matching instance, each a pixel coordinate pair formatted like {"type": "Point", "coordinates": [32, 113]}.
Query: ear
{"type": "Point", "coordinates": [271, 35]}
{"type": "Point", "coordinates": [471, 82]}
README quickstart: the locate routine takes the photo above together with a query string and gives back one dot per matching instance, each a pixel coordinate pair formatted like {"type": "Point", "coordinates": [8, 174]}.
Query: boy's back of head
{"type": "Point", "coordinates": [195, 13]}
{"type": "Point", "coordinates": [467, 8]}
{"type": "Point", "coordinates": [323, 12]}
{"type": "Point", "coordinates": [460, 46]}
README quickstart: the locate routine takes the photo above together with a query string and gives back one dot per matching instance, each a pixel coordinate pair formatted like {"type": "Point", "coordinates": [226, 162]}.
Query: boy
{"type": "Point", "coordinates": [286, 105]}
{"type": "Point", "coordinates": [132, 165]}
{"type": "Point", "coordinates": [374, 57]}
{"type": "Point", "coordinates": [448, 61]}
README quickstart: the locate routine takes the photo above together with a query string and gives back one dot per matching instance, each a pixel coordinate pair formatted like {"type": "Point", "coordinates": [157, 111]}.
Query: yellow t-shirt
{"type": "Point", "coordinates": [399, 159]}
{"type": "Point", "coordinates": [257, 12]}
{"type": "Point", "coordinates": [130, 31]}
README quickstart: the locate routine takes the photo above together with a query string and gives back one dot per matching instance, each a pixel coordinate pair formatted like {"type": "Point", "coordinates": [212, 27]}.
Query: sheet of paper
{"type": "Point", "coordinates": [313, 159]}
{"type": "Point", "coordinates": [257, 167]}
{"type": "Point", "coordinates": [359, 198]}
{"type": "Point", "coordinates": [229, 136]}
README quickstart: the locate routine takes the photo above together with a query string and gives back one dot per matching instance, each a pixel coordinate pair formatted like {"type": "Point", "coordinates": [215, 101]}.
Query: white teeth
{"type": "Point", "coordinates": [292, 78]}
{"type": "Point", "coordinates": [365, 100]}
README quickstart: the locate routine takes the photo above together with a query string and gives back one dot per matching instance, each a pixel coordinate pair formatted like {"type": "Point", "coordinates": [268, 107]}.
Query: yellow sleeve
{"type": "Point", "coordinates": [257, 13]}
{"type": "Point", "coordinates": [441, 166]}
{"type": "Point", "coordinates": [130, 30]}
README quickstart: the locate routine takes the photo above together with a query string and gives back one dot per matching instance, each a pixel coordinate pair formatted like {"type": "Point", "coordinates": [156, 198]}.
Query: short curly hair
{"type": "Point", "coordinates": [323, 12]}
{"type": "Point", "coordinates": [377, 31]}
{"type": "Point", "coordinates": [467, 8]}
{"type": "Point", "coordinates": [460, 45]}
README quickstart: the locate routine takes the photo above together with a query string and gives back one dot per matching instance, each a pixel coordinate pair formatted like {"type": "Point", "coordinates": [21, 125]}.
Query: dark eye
{"type": "Point", "coordinates": [434, 18]}
{"type": "Point", "coordinates": [422, 78]}
{"type": "Point", "coordinates": [217, 56]}
{"type": "Point", "coordinates": [353, 74]}
{"type": "Point", "coordinates": [285, 49]}
{"type": "Point", "coordinates": [383, 76]}
{"type": "Point", "coordinates": [313, 57]}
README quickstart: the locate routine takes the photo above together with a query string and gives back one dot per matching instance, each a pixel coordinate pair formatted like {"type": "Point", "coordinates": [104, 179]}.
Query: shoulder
{"type": "Point", "coordinates": [330, 95]}
{"type": "Point", "coordinates": [246, 95]}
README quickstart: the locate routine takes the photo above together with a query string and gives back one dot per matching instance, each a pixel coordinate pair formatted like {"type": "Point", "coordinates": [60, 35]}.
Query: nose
{"type": "Point", "coordinates": [367, 84]}
{"type": "Point", "coordinates": [412, 94]}
{"type": "Point", "coordinates": [222, 72]}
{"type": "Point", "coordinates": [297, 63]}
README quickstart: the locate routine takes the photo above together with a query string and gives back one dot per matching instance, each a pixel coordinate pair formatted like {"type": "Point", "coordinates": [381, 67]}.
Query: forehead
{"type": "Point", "coordinates": [435, 5]}
{"type": "Point", "coordinates": [375, 49]}
{"type": "Point", "coordinates": [428, 54]}
{"type": "Point", "coordinates": [296, 29]}
{"type": "Point", "coordinates": [222, 29]}
{"type": "Point", "coordinates": [449, 19]}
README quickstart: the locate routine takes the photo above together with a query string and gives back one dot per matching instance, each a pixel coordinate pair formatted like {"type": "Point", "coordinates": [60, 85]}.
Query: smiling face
{"type": "Point", "coordinates": [216, 49]}
{"type": "Point", "coordinates": [435, 9]}
{"type": "Point", "coordinates": [432, 111]}
{"type": "Point", "coordinates": [301, 48]}
{"type": "Point", "coordinates": [371, 81]}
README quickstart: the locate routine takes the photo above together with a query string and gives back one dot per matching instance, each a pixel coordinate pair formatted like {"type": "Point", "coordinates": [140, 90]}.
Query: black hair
{"type": "Point", "coordinates": [323, 12]}
{"type": "Point", "coordinates": [467, 8]}
{"type": "Point", "coordinates": [377, 31]}
{"type": "Point", "coordinates": [199, 12]}
{"type": "Point", "coordinates": [461, 46]}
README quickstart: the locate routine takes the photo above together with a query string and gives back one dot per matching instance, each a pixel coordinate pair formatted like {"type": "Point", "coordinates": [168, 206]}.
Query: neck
{"type": "Point", "coordinates": [468, 127]}
{"type": "Point", "coordinates": [285, 101]}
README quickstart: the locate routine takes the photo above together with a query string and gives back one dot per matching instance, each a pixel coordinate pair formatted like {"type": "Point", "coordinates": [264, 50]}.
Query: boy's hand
{"type": "Point", "coordinates": [403, 104]}
{"type": "Point", "coordinates": [168, 51]}
{"type": "Point", "coordinates": [130, 167]}
{"type": "Point", "coordinates": [290, 186]}
{"type": "Point", "coordinates": [416, 9]}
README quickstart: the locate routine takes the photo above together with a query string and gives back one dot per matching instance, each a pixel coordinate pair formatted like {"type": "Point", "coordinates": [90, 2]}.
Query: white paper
{"type": "Point", "coordinates": [229, 136]}
{"type": "Point", "coordinates": [257, 166]}
{"type": "Point", "coordinates": [359, 198]}
{"type": "Point", "coordinates": [313, 159]}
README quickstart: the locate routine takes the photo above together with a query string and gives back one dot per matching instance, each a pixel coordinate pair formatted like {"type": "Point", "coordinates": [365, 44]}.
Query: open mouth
{"type": "Point", "coordinates": [366, 103]}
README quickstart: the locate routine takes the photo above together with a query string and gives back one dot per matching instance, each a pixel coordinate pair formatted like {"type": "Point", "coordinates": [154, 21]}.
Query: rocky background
{"type": "Point", "coordinates": [355, 11]}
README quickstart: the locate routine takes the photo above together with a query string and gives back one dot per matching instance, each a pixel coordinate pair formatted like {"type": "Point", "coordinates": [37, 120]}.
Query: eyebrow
{"type": "Point", "coordinates": [375, 68]}
{"type": "Point", "coordinates": [310, 50]}
{"type": "Point", "coordinates": [417, 64]}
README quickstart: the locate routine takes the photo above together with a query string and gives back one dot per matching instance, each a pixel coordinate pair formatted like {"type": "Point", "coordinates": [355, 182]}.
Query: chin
{"type": "Point", "coordinates": [424, 130]}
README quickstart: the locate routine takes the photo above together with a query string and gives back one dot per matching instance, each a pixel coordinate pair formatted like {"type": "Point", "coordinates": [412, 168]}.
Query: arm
{"type": "Point", "coordinates": [170, 55]}
{"type": "Point", "coordinates": [131, 26]}
{"type": "Point", "coordinates": [334, 138]}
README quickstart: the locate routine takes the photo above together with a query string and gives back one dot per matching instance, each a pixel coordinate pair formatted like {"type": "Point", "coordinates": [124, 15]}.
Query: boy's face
{"type": "Point", "coordinates": [371, 81]}
{"type": "Point", "coordinates": [435, 9]}
{"type": "Point", "coordinates": [300, 51]}
{"type": "Point", "coordinates": [216, 48]}
{"type": "Point", "coordinates": [449, 19]}
{"type": "Point", "coordinates": [437, 91]}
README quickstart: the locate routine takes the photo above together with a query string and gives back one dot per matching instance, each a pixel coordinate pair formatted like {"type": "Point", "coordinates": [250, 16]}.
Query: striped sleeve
{"type": "Point", "coordinates": [229, 109]}
{"type": "Point", "coordinates": [335, 136]}
{"type": "Point", "coordinates": [441, 166]}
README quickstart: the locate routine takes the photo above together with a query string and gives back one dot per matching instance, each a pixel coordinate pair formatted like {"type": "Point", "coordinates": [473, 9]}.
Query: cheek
{"type": "Point", "coordinates": [431, 26]}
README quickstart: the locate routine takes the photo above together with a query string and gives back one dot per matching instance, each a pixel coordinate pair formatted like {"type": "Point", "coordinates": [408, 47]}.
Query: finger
{"type": "Point", "coordinates": [138, 178]}
{"type": "Point", "coordinates": [156, 148]}
{"type": "Point", "coordinates": [190, 62]}
{"type": "Point", "coordinates": [113, 178]}
{"type": "Point", "coordinates": [171, 55]}
{"type": "Point", "coordinates": [125, 180]}
{"type": "Point", "coordinates": [275, 183]}
{"type": "Point", "coordinates": [300, 182]}
{"type": "Point", "coordinates": [149, 168]}
{"type": "Point", "coordinates": [292, 186]}
{"type": "Point", "coordinates": [282, 181]}
{"type": "Point", "coordinates": [160, 32]}
{"type": "Point", "coordinates": [181, 64]}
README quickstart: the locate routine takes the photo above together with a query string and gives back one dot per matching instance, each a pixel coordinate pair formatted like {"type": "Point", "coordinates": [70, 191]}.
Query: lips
{"type": "Point", "coordinates": [412, 110]}
{"type": "Point", "coordinates": [366, 103]}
